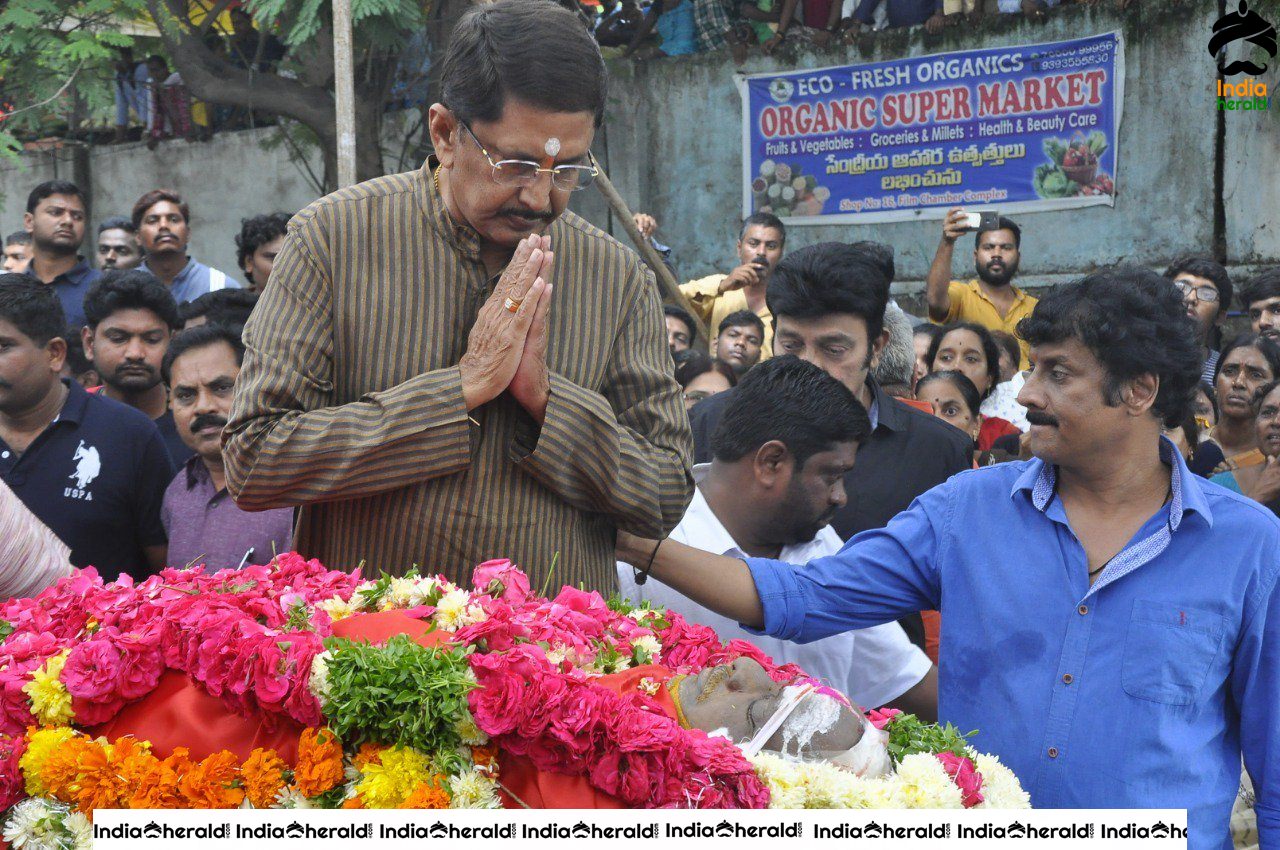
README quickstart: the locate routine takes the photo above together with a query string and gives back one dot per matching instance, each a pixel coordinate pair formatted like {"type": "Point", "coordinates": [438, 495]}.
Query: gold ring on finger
{"type": "Point", "coordinates": [511, 305]}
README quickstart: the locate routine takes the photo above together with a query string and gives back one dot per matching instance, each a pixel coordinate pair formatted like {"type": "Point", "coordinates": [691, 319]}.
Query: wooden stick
{"type": "Point", "coordinates": [667, 286]}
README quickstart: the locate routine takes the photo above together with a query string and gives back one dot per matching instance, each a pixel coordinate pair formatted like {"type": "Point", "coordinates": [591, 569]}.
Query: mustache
{"type": "Point", "coordinates": [1035, 417]}
{"type": "Point", "coordinates": [206, 419]}
{"type": "Point", "coordinates": [136, 367]}
{"type": "Point", "coordinates": [1245, 66]}
{"type": "Point", "coordinates": [530, 215]}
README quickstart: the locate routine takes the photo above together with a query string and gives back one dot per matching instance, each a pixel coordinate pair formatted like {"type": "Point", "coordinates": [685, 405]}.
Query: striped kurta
{"type": "Point", "coordinates": [350, 401]}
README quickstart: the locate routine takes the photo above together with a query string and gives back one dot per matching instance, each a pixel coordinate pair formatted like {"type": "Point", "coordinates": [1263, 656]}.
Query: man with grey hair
{"type": "Point", "coordinates": [894, 366]}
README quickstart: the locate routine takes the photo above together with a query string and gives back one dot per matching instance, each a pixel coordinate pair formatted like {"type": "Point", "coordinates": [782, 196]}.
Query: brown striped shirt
{"type": "Point", "coordinates": [350, 400]}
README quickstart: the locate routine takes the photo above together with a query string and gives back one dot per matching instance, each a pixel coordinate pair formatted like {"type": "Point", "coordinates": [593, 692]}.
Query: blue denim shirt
{"type": "Point", "coordinates": [1138, 692]}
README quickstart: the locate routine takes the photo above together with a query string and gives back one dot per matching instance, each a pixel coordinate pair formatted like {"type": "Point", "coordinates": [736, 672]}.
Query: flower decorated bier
{"type": "Point", "coordinates": [292, 685]}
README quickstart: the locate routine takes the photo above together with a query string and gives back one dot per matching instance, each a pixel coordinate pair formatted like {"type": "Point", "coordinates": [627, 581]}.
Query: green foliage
{"type": "Point", "coordinates": [6, 629]}
{"type": "Point", "coordinates": [908, 735]}
{"type": "Point", "coordinates": [380, 24]}
{"type": "Point", "coordinates": [397, 694]}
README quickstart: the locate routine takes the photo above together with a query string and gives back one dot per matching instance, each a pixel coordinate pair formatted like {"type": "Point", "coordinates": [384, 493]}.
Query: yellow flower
{"type": "Point", "coordinates": [386, 785]}
{"type": "Point", "coordinates": [41, 743]}
{"type": "Point", "coordinates": [337, 609]}
{"type": "Point", "coordinates": [50, 702]}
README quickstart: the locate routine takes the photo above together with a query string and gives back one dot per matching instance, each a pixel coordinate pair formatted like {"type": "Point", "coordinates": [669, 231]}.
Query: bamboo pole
{"type": "Point", "coordinates": [667, 286]}
{"type": "Point", "coordinates": [344, 92]}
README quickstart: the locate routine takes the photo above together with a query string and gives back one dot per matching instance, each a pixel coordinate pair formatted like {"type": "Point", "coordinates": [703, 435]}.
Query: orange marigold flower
{"type": "Point", "coordinates": [319, 762]}
{"type": "Point", "coordinates": [263, 777]}
{"type": "Point", "coordinates": [81, 773]}
{"type": "Point", "coordinates": [356, 802]}
{"type": "Point", "coordinates": [158, 788]}
{"type": "Point", "coordinates": [428, 795]}
{"type": "Point", "coordinates": [212, 784]}
{"type": "Point", "coordinates": [369, 753]}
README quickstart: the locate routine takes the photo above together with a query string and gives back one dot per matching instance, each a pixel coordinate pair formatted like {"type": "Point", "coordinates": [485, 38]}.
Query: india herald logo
{"type": "Point", "coordinates": [1246, 25]}
{"type": "Point", "coordinates": [88, 467]}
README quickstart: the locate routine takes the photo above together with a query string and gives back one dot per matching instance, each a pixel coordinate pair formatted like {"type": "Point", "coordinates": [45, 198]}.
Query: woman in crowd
{"type": "Point", "coordinates": [969, 348]}
{"type": "Point", "coordinates": [701, 376]}
{"type": "Point", "coordinates": [1248, 363]}
{"type": "Point", "coordinates": [1205, 407]}
{"type": "Point", "coordinates": [1261, 481]}
{"type": "Point", "coordinates": [955, 400]}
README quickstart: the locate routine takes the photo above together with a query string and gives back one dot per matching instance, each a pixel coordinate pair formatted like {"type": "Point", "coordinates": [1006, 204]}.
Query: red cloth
{"type": "Point", "coordinates": [993, 428]}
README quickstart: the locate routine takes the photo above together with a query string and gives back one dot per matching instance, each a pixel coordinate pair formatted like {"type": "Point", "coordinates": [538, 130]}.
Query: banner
{"type": "Point", "coordinates": [1018, 129]}
{"type": "Point", "coordinates": [669, 829]}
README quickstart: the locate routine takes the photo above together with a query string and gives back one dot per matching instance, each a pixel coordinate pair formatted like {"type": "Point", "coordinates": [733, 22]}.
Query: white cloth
{"type": "Point", "coordinates": [1003, 402]}
{"type": "Point", "coordinates": [872, 667]}
{"type": "Point", "coordinates": [31, 556]}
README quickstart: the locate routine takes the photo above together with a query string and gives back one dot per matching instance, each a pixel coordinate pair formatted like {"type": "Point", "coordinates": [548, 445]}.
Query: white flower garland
{"type": "Point", "coordinates": [920, 782]}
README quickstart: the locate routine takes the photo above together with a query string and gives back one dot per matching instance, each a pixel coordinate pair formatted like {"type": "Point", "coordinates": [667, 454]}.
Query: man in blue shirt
{"type": "Point", "coordinates": [1109, 620]}
{"type": "Point", "coordinates": [163, 221]}
{"type": "Point", "coordinates": [55, 218]}
{"type": "Point", "coordinates": [90, 468]}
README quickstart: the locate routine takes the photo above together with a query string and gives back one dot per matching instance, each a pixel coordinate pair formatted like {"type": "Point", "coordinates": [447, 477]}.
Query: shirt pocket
{"type": "Point", "coordinates": [1169, 651]}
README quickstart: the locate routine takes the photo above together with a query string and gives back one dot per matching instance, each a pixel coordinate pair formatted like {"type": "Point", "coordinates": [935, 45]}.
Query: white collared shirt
{"type": "Point", "coordinates": [873, 667]}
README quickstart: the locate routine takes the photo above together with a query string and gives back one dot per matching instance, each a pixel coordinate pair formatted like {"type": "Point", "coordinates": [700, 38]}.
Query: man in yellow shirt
{"type": "Point", "coordinates": [990, 299]}
{"type": "Point", "coordinates": [760, 244]}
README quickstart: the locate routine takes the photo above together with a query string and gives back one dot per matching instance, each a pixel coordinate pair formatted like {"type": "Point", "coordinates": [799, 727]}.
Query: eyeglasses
{"type": "Point", "coordinates": [522, 172]}
{"type": "Point", "coordinates": [1205, 294]}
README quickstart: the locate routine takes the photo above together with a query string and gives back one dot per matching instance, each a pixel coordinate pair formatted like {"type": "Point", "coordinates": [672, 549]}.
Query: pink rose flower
{"type": "Point", "coordinates": [502, 579]}
{"type": "Point", "coordinates": [882, 717]}
{"type": "Point", "coordinates": [965, 776]}
{"type": "Point", "coordinates": [93, 669]}
{"type": "Point", "coordinates": [12, 784]}
{"type": "Point", "coordinates": [638, 730]}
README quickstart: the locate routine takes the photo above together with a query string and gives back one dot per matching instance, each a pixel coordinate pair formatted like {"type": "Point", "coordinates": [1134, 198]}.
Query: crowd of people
{"type": "Point", "coordinates": [649, 28]}
{"type": "Point", "coordinates": [119, 379]}
{"type": "Point", "coordinates": [997, 514]}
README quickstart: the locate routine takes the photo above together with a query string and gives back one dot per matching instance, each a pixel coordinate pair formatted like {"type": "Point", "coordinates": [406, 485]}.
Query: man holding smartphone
{"type": "Point", "coordinates": [990, 299]}
{"type": "Point", "coordinates": [760, 245]}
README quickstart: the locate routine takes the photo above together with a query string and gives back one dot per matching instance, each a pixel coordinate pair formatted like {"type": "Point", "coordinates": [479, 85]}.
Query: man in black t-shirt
{"type": "Point", "coordinates": [90, 468]}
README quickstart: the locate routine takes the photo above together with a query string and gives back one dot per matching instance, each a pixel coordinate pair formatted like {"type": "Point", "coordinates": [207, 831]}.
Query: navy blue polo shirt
{"type": "Point", "coordinates": [96, 476]}
{"type": "Point", "coordinates": [71, 287]}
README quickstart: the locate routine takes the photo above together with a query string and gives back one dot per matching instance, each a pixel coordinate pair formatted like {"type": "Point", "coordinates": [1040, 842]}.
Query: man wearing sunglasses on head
{"type": "Point", "coordinates": [448, 365]}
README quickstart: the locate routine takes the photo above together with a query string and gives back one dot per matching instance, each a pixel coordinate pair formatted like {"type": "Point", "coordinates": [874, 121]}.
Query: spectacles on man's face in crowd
{"type": "Point", "coordinates": [1205, 294]}
{"type": "Point", "coordinates": [511, 173]}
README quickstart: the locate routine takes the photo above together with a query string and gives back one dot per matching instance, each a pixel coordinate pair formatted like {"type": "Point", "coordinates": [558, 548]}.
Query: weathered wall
{"type": "Point", "coordinates": [672, 144]}
{"type": "Point", "coordinates": [228, 178]}
{"type": "Point", "coordinates": [680, 150]}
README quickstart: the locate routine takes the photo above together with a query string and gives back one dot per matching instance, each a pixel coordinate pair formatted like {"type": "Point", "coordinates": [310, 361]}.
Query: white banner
{"type": "Point", "coordinates": [549, 829]}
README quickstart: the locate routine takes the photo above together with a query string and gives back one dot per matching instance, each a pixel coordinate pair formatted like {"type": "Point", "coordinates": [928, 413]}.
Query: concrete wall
{"type": "Point", "coordinates": [228, 178]}
{"type": "Point", "coordinates": [679, 152]}
{"type": "Point", "coordinates": [672, 144]}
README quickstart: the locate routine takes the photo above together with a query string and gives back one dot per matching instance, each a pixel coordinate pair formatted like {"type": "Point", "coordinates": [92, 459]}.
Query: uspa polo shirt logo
{"type": "Point", "coordinates": [96, 476]}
